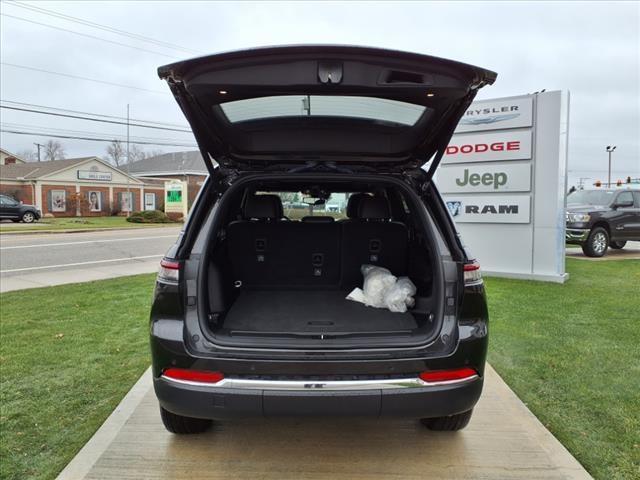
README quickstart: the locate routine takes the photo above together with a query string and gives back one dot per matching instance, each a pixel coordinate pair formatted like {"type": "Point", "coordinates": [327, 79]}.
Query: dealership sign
{"type": "Point", "coordinates": [490, 209]}
{"type": "Point", "coordinates": [484, 178]}
{"type": "Point", "coordinates": [489, 147]}
{"type": "Point", "coordinates": [94, 175]}
{"type": "Point", "coordinates": [497, 114]}
{"type": "Point", "coordinates": [503, 178]}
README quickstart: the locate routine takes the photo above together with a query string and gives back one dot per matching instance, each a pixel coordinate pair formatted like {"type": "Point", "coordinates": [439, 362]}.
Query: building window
{"type": "Point", "coordinates": [95, 201]}
{"type": "Point", "coordinates": [126, 201]}
{"type": "Point", "coordinates": [58, 200]}
{"type": "Point", "coordinates": [149, 201]}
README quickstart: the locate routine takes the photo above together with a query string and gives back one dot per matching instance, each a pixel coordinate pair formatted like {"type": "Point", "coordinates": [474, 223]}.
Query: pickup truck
{"type": "Point", "coordinates": [602, 218]}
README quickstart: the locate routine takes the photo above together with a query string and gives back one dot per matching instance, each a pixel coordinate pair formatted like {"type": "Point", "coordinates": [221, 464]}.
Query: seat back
{"type": "Point", "coordinates": [374, 239]}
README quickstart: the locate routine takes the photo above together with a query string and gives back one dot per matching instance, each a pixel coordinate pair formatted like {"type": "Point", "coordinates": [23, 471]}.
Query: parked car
{"type": "Point", "coordinates": [602, 218]}
{"type": "Point", "coordinates": [17, 211]}
{"type": "Point", "coordinates": [249, 315]}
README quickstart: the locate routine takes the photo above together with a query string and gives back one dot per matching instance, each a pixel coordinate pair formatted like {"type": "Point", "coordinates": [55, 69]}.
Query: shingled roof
{"type": "Point", "coordinates": [189, 162]}
{"type": "Point", "coordinates": [34, 170]}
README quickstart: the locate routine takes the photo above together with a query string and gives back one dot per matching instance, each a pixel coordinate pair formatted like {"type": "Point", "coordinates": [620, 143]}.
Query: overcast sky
{"type": "Point", "coordinates": [591, 49]}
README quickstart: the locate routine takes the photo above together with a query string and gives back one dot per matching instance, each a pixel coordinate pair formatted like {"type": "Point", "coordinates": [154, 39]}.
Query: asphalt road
{"type": "Point", "coordinates": [33, 260]}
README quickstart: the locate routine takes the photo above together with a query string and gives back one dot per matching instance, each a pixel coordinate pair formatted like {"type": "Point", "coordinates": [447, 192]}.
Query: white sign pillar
{"type": "Point", "coordinates": [503, 178]}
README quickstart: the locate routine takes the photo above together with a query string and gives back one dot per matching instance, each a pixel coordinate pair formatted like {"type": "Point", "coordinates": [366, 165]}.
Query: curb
{"type": "Point", "coordinates": [82, 462]}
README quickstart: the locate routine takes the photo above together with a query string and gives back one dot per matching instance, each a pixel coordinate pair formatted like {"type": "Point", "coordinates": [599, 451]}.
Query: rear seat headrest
{"type": "Point", "coordinates": [353, 204]}
{"type": "Point", "coordinates": [374, 208]}
{"type": "Point", "coordinates": [263, 207]}
{"type": "Point", "coordinates": [318, 219]}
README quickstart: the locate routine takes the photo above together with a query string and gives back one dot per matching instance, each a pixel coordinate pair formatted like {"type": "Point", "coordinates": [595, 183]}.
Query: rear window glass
{"type": "Point", "coordinates": [297, 205]}
{"type": "Point", "coordinates": [318, 105]}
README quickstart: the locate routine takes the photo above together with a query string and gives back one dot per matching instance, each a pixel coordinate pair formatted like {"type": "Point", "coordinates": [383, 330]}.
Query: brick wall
{"type": "Point", "coordinates": [47, 200]}
{"type": "Point", "coordinates": [194, 185]}
{"type": "Point", "coordinates": [23, 193]}
{"type": "Point", "coordinates": [103, 200]}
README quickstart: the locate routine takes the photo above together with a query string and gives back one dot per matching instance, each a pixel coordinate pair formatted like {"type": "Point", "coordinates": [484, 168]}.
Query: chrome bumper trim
{"type": "Point", "coordinates": [577, 234]}
{"type": "Point", "coordinates": [302, 385]}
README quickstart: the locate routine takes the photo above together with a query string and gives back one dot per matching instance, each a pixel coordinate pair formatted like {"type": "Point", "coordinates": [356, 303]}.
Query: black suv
{"type": "Point", "coordinates": [16, 211]}
{"type": "Point", "coordinates": [597, 219]}
{"type": "Point", "coordinates": [249, 315]}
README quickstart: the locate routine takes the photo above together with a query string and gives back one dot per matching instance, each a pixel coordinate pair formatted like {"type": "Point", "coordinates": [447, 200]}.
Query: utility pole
{"type": "Point", "coordinates": [610, 150]}
{"type": "Point", "coordinates": [130, 200]}
{"type": "Point", "coordinates": [38, 145]}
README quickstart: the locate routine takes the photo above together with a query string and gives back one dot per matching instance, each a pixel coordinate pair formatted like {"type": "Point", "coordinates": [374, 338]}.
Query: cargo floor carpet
{"type": "Point", "coordinates": [290, 311]}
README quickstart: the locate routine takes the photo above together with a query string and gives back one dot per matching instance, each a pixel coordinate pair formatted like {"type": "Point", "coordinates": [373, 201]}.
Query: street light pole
{"type": "Point", "coordinates": [610, 150]}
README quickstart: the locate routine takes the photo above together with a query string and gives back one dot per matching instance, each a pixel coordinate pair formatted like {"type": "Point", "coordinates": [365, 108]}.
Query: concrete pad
{"type": "Point", "coordinates": [503, 441]}
{"type": "Point", "coordinates": [631, 251]}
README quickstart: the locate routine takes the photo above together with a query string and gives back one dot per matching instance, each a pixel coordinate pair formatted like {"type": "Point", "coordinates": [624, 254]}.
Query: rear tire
{"type": "Point", "coordinates": [618, 245]}
{"type": "Point", "coordinates": [183, 425]}
{"type": "Point", "coordinates": [597, 243]}
{"type": "Point", "coordinates": [450, 423]}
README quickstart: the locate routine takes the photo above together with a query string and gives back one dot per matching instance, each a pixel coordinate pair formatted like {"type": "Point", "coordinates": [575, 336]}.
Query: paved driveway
{"type": "Point", "coordinates": [503, 441]}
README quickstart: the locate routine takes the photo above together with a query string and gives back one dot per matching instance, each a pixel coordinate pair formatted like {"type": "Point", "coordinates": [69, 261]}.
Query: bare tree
{"type": "Point", "coordinates": [137, 153]}
{"type": "Point", "coordinates": [53, 150]}
{"type": "Point", "coordinates": [27, 155]}
{"type": "Point", "coordinates": [116, 153]}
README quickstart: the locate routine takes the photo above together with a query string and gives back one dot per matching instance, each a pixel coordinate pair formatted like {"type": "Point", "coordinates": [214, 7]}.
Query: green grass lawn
{"type": "Point", "coordinates": [572, 354]}
{"type": "Point", "coordinates": [68, 355]}
{"type": "Point", "coordinates": [569, 351]}
{"type": "Point", "coordinates": [76, 223]}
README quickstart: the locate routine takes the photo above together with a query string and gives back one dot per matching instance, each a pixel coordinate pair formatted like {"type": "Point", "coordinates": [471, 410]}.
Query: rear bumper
{"type": "Point", "coordinates": [207, 401]}
{"type": "Point", "coordinates": [576, 235]}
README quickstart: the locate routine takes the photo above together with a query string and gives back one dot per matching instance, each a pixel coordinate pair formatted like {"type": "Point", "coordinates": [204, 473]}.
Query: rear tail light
{"type": "Point", "coordinates": [169, 270]}
{"type": "Point", "coordinates": [472, 274]}
{"type": "Point", "coordinates": [448, 375]}
{"type": "Point", "coordinates": [201, 376]}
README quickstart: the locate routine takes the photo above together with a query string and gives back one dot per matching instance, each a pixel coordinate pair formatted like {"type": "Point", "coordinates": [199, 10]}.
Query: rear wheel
{"type": "Point", "coordinates": [28, 217]}
{"type": "Point", "coordinates": [597, 243]}
{"type": "Point", "coordinates": [618, 245]}
{"type": "Point", "coordinates": [183, 425]}
{"type": "Point", "coordinates": [448, 424]}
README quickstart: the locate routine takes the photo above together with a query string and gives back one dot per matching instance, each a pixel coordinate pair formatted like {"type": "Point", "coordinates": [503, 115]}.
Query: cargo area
{"type": "Point", "coordinates": [281, 272]}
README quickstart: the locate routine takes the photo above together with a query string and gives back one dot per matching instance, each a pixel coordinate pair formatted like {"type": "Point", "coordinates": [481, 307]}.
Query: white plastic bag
{"type": "Point", "coordinates": [381, 289]}
{"type": "Point", "coordinates": [377, 281]}
{"type": "Point", "coordinates": [400, 295]}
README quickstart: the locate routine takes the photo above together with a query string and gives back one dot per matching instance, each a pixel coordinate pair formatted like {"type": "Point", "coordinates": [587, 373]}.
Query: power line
{"type": "Point", "coordinates": [86, 35]}
{"type": "Point", "coordinates": [103, 27]}
{"type": "Point", "coordinates": [93, 114]}
{"type": "Point", "coordinates": [80, 78]}
{"type": "Point", "coordinates": [82, 132]}
{"type": "Point", "coordinates": [79, 117]}
{"type": "Point", "coordinates": [19, 132]}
